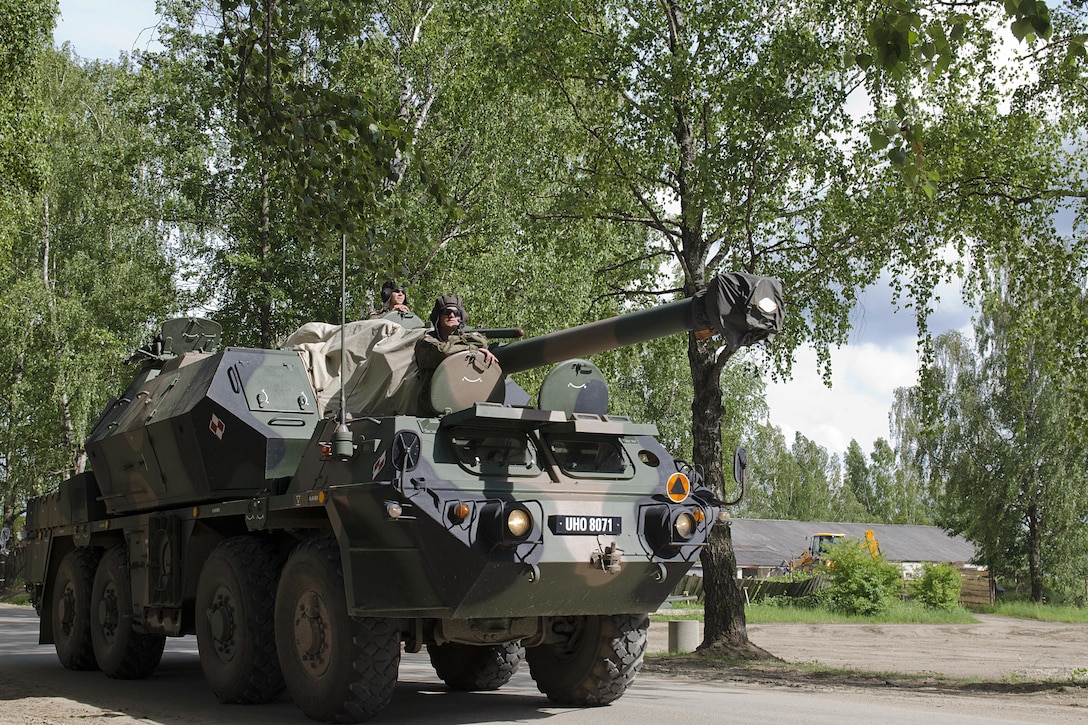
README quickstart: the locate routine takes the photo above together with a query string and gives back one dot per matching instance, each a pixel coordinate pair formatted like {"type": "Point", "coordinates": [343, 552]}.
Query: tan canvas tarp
{"type": "Point", "coordinates": [379, 366]}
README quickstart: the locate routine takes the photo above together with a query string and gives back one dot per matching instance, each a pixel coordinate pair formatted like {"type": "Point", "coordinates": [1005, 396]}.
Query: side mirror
{"type": "Point", "coordinates": [740, 473]}
{"type": "Point", "coordinates": [740, 466]}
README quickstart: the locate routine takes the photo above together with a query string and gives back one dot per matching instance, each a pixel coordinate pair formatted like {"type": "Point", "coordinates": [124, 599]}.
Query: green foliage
{"type": "Point", "coordinates": [15, 594]}
{"type": "Point", "coordinates": [859, 583]}
{"type": "Point", "coordinates": [939, 587]}
{"type": "Point", "coordinates": [1002, 446]}
{"type": "Point", "coordinates": [89, 273]}
{"type": "Point", "coordinates": [282, 159]}
{"type": "Point", "coordinates": [24, 36]}
{"type": "Point", "coordinates": [801, 482]}
{"type": "Point", "coordinates": [896, 613]}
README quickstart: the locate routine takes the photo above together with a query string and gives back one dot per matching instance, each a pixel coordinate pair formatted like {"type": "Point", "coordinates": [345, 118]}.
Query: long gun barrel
{"type": "Point", "coordinates": [744, 308]}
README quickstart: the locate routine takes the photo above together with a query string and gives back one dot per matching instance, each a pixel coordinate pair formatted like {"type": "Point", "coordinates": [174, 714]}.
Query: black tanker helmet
{"type": "Point", "coordinates": [389, 288]}
{"type": "Point", "coordinates": [448, 301]}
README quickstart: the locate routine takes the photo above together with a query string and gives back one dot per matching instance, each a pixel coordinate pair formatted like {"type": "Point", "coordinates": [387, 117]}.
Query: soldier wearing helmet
{"type": "Point", "coordinates": [394, 299]}
{"type": "Point", "coordinates": [446, 337]}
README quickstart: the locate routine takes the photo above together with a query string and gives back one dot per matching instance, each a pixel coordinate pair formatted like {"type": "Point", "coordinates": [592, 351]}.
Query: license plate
{"type": "Point", "coordinates": [586, 525]}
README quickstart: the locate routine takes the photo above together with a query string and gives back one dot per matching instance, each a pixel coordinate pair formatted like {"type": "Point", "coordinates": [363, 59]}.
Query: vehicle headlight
{"type": "Point", "coordinates": [519, 523]}
{"type": "Point", "coordinates": [506, 523]}
{"type": "Point", "coordinates": [684, 526]}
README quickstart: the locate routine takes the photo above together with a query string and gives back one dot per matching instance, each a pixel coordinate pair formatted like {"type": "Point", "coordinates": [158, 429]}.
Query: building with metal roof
{"type": "Point", "coordinates": [762, 544]}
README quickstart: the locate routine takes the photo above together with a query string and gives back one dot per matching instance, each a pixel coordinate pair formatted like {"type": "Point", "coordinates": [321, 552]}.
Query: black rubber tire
{"type": "Point", "coordinates": [476, 667]}
{"type": "Point", "coordinates": [235, 621]}
{"type": "Point", "coordinates": [596, 665]}
{"type": "Point", "coordinates": [337, 668]}
{"type": "Point", "coordinates": [71, 609]}
{"type": "Point", "coordinates": [122, 652]}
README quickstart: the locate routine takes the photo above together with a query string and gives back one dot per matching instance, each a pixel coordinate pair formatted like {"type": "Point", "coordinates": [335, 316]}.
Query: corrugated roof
{"type": "Point", "coordinates": [768, 542]}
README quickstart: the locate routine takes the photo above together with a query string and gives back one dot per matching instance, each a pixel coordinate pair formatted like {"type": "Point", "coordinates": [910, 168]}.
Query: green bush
{"type": "Point", "coordinates": [939, 587]}
{"type": "Point", "coordinates": [859, 583]}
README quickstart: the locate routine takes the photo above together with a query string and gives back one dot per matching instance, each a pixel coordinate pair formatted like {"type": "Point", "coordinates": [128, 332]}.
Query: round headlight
{"type": "Point", "coordinates": [684, 526]}
{"type": "Point", "coordinates": [519, 522]}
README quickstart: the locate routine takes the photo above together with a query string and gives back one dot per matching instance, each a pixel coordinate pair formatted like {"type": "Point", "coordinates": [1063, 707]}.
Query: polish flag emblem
{"type": "Point", "coordinates": [217, 426]}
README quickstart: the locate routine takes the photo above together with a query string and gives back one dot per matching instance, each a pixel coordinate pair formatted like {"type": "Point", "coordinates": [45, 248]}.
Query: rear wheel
{"type": "Point", "coordinates": [476, 667]}
{"type": "Point", "coordinates": [235, 626]}
{"type": "Point", "coordinates": [71, 609]}
{"type": "Point", "coordinates": [597, 662]}
{"type": "Point", "coordinates": [121, 651]}
{"type": "Point", "coordinates": [337, 668]}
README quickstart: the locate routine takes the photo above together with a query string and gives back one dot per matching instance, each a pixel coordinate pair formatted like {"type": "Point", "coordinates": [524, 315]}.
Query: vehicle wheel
{"type": "Point", "coordinates": [476, 667]}
{"type": "Point", "coordinates": [235, 625]}
{"type": "Point", "coordinates": [121, 651]}
{"type": "Point", "coordinates": [596, 665]}
{"type": "Point", "coordinates": [71, 609]}
{"type": "Point", "coordinates": [337, 668]}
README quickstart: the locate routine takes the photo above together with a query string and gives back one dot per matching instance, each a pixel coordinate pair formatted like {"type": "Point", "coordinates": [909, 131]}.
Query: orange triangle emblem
{"type": "Point", "coordinates": [678, 488]}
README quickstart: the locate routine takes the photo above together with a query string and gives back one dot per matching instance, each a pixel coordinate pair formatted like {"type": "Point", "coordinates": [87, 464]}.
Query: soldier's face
{"type": "Point", "coordinates": [449, 320]}
{"type": "Point", "coordinates": [397, 297]}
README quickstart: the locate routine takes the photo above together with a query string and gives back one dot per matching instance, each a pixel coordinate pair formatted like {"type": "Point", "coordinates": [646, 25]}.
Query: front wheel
{"type": "Point", "coordinates": [338, 668]}
{"type": "Point", "coordinates": [476, 667]}
{"type": "Point", "coordinates": [596, 663]}
{"type": "Point", "coordinates": [121, 651]}
{"type": "Point", "coordinates": [71, 609]}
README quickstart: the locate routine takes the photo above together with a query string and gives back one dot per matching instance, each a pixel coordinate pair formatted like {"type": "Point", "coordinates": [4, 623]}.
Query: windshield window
{"type": "Point", "coordinates": [495, 453]}
{"type": "Point", "coordinates": [598, 456]}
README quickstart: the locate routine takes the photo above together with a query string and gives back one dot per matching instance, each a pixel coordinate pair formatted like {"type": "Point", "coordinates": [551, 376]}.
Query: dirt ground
{"type": "Point", "coordinates": [999, 656]}
{"type": "Point", "coordinates": [996, 648]}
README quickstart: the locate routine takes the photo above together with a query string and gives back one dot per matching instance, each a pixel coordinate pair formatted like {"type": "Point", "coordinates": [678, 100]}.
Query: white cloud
{"type": "Point", "coordinates": [103, 30]}
{"type": "Point", "coordinates": [882, 356]}
{"type": "Point", "coordinates": [856, 406]}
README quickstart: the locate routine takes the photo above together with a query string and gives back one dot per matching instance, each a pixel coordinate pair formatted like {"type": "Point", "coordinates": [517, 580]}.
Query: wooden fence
{"type": "Point", "coordinates": [977, 588]}
{"type": "Point", "coordinates": [12, 564]}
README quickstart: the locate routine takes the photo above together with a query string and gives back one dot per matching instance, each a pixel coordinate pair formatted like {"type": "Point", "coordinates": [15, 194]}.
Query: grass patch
{"type": "Point", "coordinates": [1041, 612]}
{"type": "Point", "coordinates": [900, 613]}
{"type": "Point", "coordinates": [15, 594]}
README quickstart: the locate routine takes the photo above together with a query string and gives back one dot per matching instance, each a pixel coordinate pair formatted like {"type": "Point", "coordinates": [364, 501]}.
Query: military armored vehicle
{"type": "Point", "coordinates": [307, 533]}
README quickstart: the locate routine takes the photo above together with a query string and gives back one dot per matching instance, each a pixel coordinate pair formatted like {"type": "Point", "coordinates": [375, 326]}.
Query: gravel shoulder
{"type": "Point", "coordinates": [996, 648]}
{"type": "Point", "coordinates": [1009, 660]}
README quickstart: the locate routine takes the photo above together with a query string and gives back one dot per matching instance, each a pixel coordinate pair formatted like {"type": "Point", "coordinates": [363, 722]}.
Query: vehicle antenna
{"type": "Point", "coordinates": [342, 444]}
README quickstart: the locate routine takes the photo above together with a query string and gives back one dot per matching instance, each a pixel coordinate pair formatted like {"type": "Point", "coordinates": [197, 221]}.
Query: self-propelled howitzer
{"type": "Point", "coordinates": [305, 551]}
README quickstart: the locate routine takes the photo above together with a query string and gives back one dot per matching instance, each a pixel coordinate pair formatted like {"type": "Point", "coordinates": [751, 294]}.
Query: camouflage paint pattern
{"type": "Point", "coordinates": [204, 446]}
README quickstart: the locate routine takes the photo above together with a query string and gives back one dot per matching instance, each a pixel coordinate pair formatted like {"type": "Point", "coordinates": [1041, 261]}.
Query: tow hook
{"type": "Point", "coordinates": [609, 560]}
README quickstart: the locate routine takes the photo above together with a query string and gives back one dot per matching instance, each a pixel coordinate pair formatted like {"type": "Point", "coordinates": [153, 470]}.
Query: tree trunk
{"type": "Point", "coordinates": [265, 301]}
{"type": "Point", "coordinates": [725, 630]}
{"type": "Point", "coordinates": [67, 424]}
{"type": "Point", "coordinates": [1035, 554]}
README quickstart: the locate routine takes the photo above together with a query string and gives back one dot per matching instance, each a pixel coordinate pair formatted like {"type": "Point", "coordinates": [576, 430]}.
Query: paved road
{"type": "Point", "coordinates": [34, 688]}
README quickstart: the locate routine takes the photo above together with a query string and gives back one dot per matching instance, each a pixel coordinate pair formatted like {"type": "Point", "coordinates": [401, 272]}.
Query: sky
{"type": "Point", "coordinates": [881, 354]}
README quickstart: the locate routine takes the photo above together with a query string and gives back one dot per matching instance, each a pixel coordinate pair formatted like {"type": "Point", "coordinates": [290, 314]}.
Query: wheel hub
{"type": "Point", "coordinates": [66, 608]}
{"type": "Point", "coordinates": [311, 634]}
{"type": "Point", "coordinates": [109, 616]}
{"type": "Point", "coordinates": [221, 619]}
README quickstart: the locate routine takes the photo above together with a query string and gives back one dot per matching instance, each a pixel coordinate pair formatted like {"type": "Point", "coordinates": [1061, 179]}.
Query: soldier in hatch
{"type": "Point", "coordinates": [394, 299]}
{"type": "Point", "coordinates": [446, 337]}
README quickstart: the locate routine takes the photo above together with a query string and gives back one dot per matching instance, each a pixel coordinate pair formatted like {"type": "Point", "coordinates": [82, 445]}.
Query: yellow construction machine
{"type": "Point", "coordinates": [814, 556]}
